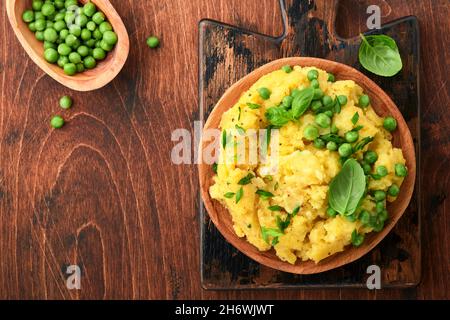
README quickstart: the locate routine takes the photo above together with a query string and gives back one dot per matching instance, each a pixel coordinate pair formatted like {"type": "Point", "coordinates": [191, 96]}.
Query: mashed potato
{"type": "Point", "coordinates": [292, 188]}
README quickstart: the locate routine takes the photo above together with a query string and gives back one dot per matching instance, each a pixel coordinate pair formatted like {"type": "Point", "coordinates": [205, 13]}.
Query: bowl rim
{"type": "Point", "coordinates": [350, 254]}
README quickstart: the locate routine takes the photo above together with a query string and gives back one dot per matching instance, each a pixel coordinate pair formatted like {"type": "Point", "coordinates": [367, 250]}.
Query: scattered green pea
{"type": "Point", "coordinates": [331, 77]}
{"type": "Point", "coordinates": [264, 93]}
{"type": "Point", "coordinates": [366, 168]}
{"type": "Point", "coordinates": [318, 94]}
{"type": "Point", "coordinates": [105, 26]}
{"type": "Point", "coordinates": [28, 16]}
{"type": "Point", "coordinates": [312, 74]}
{"type": "Point", "coordinates": [351, 136]}
{"type": "Point", "coordinates": [51, 55]}
{"type": "Point", "coordinates": [379, 195]}
{"type": "Point", "coordinates": [287, 101]}
{"type": "Point", "coordinates": [70, 69]}
{"type": "Point", "coordinates": [319, 143]}
{"type": "Point", "coordinates": [48, 9]}
{"type": "Point", "coordinates": [57, 122]}
{"type": "Point", "coordinates": [311, 133]}
{"type": "Point", "coordinates": [382, 171]}
{"type": "Point", "coordinates": [65, 102]}
{"type": "Point", "coordinates": [99, 54]}
{"type": "Point", "coordinates": [371, 157]}
{"type": "Point", "coordinates": [393, 190]}
{"type": "Point", "coordinates": [345, 150]}
{"type": "Point", "coordinates": [62, 61]}
{"type": "Point", "coordinates": [327, 100]}
{"type": "Point", "coordinates": [316, 105]}
{"type": "Point", "coordinates": [379, 206]}
{"type": "Point", "coordinates": [89, 9]}
{"type": "Point", "coordinates": [332, 146]}
{"type": "Point", "coordinates": [153, 42]}
{"type": "Point", "coordinates": [98, 18]}
{"type": "Point", "coordinates": [315, 84]}
{"type": "Point", "coordinates": [322, 120]}
{"type": "Point", "coordinates": [364, 101]}
{"type": "Point", "coordinates": [37, 5]}
{"type": "Point", "coordinates": [342, 100]}
{"type": "Point", "coordinates": [286, 69]}
{"type": "Point", "coordinates": [329, 113]}
{"type": "Point", "coordinates": [39, 35]}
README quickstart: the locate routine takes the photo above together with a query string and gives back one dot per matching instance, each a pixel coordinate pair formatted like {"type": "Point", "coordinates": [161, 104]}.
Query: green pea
{"type": "Point", "coordinates": [400, 170]}
{"type": "Point", "coordinates": [287, 101]}
{"type": "Point", "coordinates": [59, 25]}
{"type": "Point", "coordinates": [64, 49]}
{"type": "Point", "coordinates": [366, 168]}
{"type": "Point", "coordinates": [57, 122]}
{"type": "Point", "coordinates": [70, 3]}
{"type": "Point", "coordinates": [286, 69]}
{"type": "Point", "coordinates": [89, 9]}
{"type": "Point", "coordinates": [63, 34]}
{"type": "Point", "coordinates": [105, 46]}
{"type": "Point", "coordinates": [75, 57]}
{"type": "Point", "coordinates": [51, 55]}
{"type": "Point", "coordinates": [50, 35]}
{"type": "Point", "coordinates": [83, 51]}
{"type": "Point", "coordinates": [40, 24]}
{"type": "Point", "coordinates": [69, 17]}
{"type": "Point", "coordinates": [70, 69]}
{"type": "Point", "coordinates": [97, 34]}
{"type": "Point", "coordinates": [60, 17]}
{"type": "Point", "coordinates": [59, 4]}
{"type": "Point", "coordinates": [329, 113]}
{"type": "Point", "coordinates": [81, 20]}
{"type": "Point", "coordinates": [153, 42]}
{"type": "Point", "coordinates": [382, 171]}
{"type": "Point", "coordinates": [393, 190]}
{"type": "Point", "coordinates": [323, 120]}
{"type": "Point", "coordinates": [342, 100]}
{"type": "Point", "coordinates": [98, 18]}
{"type": "Point", "coordinates": [62, 61]}
{"type": "Point", "coordinates": [37, 5]}
{"type": "Point", "coordinates": [379, 195]}
{"type": "Point", "coordinates": [38, 16]}
{"type": "Point", "coordinates": [331, 77]}
{"type": "Point", "coordinates": [264, 93]}
{"type": "Point", "coordinates": [76, 45]}
{"type": "Point", "coordinates": [105, 26]}
{"type": "Point", "coordinates": [89, 62]}
{"type": "Point", "coordinates": [48, 9]}
{"type": "Point", "coordinates": [110, 37]}
{"type": "Point", "coordinates": [90, 43]}
{"type": "Point", "coordinates": [316, 105]}
{"type": "Point", "coordinates": [86, 34]}
{"type": "Point", "coordinates": [65, 102]}
{"type": "Point", "coordinates": [327, 100]}
{"type": "Point", "coordinates": [48, 24]}
{"type": "Point", "coordinates": [32, 27]}
{"type": "Point", "coordinates": [332, 146]}
{"type": "Point", "coordinates": [383, 215]}
{"type": "Point", "coordinates": [318, 94]}
{"type": "Point", "coordinates": [364, 217]}
{"type": "Point", "coordinates": [379, 206]}
{"type": "Point", "coordinates": [80, 67]}
{"type": "Point", "coordinates": [331, 212]}
{"type": "Point", "coordinates": [315, 84]}
{"type": "Point", "coordinates": [313, 74]}
{"type": "Point", "coordinates": [28, 16]}
{"type": "Point", "coordinates": [91, 26]}
{"type": "Point", "coordinates": [351, 136]}
{"type": "Point", "coordinates": [345, 150]}
{"type": "Point", "coordinates": [352, 217]}
{"type": "Point", "coordinates": [377, 224]}
{"type": "Point", "coordinates": [371, 157]}
{"type": "Point", "coordinates": [334, 129]}
{"type": "Point", "coordinates": [71, 40]}
{"type": "Point", "coordinates": [311, 133]}
{"type": "Point", "coordinates": [364, 101]}
{"type": "Point", "coordinates": [319, 143]}
{"type": "Point", "coordinates": [48, 45]}
{"type": "Point", "coordinates": [99, 54]}
{"type": "Point", "coordinates": [390, 124]}
{"type": "Point", "coordinates": [75, 30]}
{"type": "Point", "coordinates": [39, 35]}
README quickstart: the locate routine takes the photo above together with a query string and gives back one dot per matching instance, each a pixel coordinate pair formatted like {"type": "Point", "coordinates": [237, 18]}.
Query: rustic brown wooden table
{"type": "Point", "coordinates": [102, 192]}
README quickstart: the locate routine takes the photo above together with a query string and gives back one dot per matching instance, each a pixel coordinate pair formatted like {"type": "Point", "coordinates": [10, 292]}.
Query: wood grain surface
{"type": "Point", "coordinates": [102, 192]}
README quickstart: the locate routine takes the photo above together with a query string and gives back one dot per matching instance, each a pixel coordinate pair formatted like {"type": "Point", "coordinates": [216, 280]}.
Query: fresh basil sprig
{"type": "Point", "coordinates": [379, 54]}
{"type": "Point", "coordinates": [302, 101]}
{"type": "Point", "coordinates": [278, 116]}
{"type": "Point", "coordinates": [347, 188]}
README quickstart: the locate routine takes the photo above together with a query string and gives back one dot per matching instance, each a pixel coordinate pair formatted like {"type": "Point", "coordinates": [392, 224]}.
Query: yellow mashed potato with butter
{"type": "Point", "coordinates": [296, 193]}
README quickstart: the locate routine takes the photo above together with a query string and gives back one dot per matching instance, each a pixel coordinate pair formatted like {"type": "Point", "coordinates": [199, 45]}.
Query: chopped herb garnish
{"type": "Point", "coordinates": [239, 195]}
{"type": "Point", "coordinates": [275, 241]}
{"type": "Point", "coordinates": [214, 167]}
{"type": "Point", "coordinates": [229, 195]}
{"type": "Point", "coordinates": [253, 105]}
{"type": "Point", "coordinates": [249, 225]}
{"type": "Point", "coordinates": [270, 232]}
{"type": "Point", "coordinates": [264, 194]}
{"type": "Point", "coordinates": [224, 138]}
{"type": "Point", "coordinates": [295, 212]}
{"type": "Point", "coordinates": [283, 224]}
{"type": "Point", "coordinates": [239, 116]}
{"type": "Point", "coordinates": [240, 130]}
{"type": "Point", "coordinates": [333, 137]}
{"type": "Point", "coordinates": [275, 208]}
{"type": "Point", "coordinates": [269, 178]}
{"type": "Point", "coordinates": [275, 187]}
{"type": "Point", "coordinates": [361, 144]}
{"type": "Point", "coordinates": [246, 180]}
{"type": "Point", "coordinates": [355, 118]}
{"type": "Point", "coordinates": [357, 128]}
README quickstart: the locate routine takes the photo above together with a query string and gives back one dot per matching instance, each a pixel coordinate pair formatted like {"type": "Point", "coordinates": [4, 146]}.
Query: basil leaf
{"type": "Point", "coordinates": [270, 232]}
{"type": "Point", "coordinates": [275, 208]}
{"type": "Point", "coordinates": [355, 118]}
{"type": "Point", "coordinates": [302, 102]}
{"type": "Point", "coordinates": [229, 195]}
{"type": "Point", "coordinates": [379, 54]}
{"type": "Point", "coordinates": [239, 195]}
{"type": "Point", "coordinates": [253, 105]}
{"type": "Point", "coordinates": [246, 180]}
{"type": "Point", "coordinates": [347, 188]}
{"type": "Point", "coordinates": [264, 194]}
{"type": "Point", "coordinates": [278, 116]}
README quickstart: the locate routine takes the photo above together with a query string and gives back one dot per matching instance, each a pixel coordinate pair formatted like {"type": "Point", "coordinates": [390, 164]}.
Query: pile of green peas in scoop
{"type": "Point", "coordinates": [75, 36]}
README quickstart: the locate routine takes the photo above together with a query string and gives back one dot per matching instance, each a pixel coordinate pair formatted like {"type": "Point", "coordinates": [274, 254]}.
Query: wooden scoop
{"type": "Point", "coordinates": [102, 74]}
{"type": "Point", "coordinates": [382, 104]}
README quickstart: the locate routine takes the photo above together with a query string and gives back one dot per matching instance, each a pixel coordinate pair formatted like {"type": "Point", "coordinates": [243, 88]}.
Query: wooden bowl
{"type": "Point", "coordinates": [102, 74]}
{"type": "Point", "coordinates": [381, 103]}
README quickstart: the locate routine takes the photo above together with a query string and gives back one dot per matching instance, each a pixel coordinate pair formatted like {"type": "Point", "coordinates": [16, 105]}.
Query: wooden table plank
{"type": "Point", "coordinates": [102, 192]}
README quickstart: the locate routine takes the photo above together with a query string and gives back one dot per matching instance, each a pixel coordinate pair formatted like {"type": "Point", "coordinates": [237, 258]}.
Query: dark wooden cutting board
{"type": "Point", "coordinates": [228, 53]}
